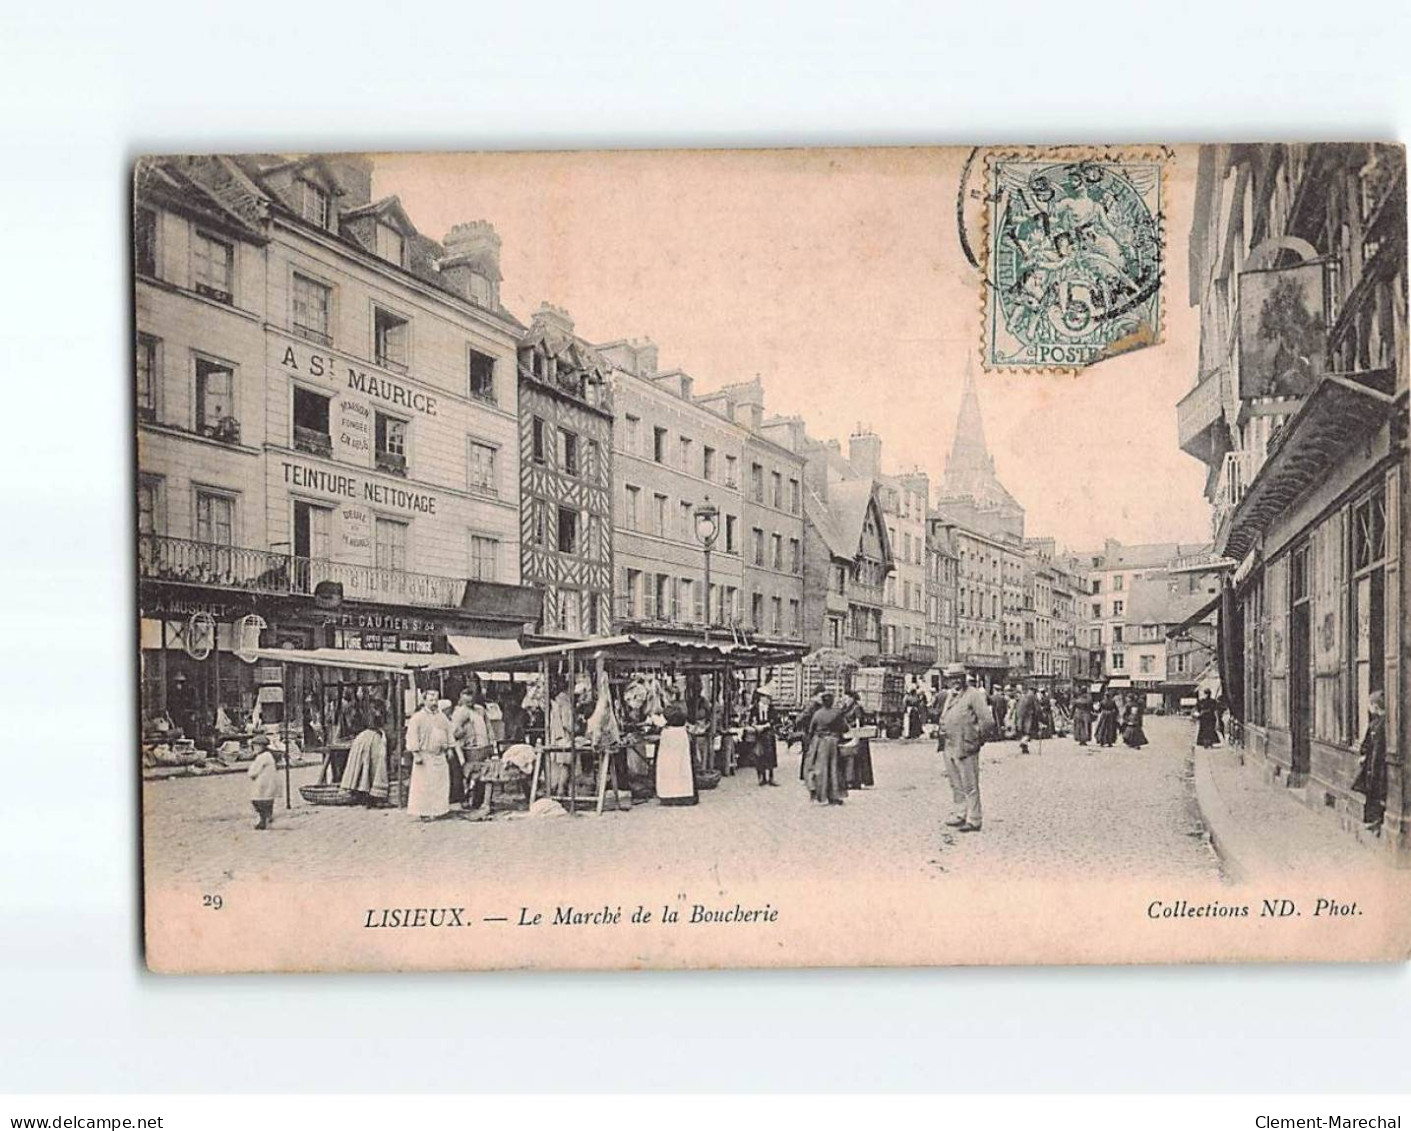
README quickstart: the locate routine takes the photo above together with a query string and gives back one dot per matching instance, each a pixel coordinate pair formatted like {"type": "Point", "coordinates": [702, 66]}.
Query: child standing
{"type": "Point", "coordinates": [264, 781]}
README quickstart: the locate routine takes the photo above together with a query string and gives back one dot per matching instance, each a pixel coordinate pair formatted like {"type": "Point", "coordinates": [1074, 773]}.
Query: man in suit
{"type": "Point", "coordinates": [966, 721]}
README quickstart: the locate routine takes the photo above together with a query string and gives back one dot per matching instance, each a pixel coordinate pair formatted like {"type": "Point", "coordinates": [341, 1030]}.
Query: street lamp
{"type": "Point", "coordinates": [707, 517]}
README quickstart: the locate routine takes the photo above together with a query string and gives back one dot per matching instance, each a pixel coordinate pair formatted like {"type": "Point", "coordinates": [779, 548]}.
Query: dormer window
{"type": "Point", "coordinates": [481, 292]}
{"type": "Point", "coordinates": [390, 245]}
{"type": "Point", "coordinates": [313, 204]}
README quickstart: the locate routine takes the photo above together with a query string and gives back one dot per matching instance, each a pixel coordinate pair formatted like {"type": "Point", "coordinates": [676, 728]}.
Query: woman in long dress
{"type": "Point", "coordinates": [1132, 733]}
{"type": "Point", "coordinates": [1371, 780]}
{"type": "Point", "coordinates": [1106, 734]}
{"type": "Point", "coordinates": [1207, 715]}
{"type": "Point", "coordinates": [1083, 718]}
{"type": "Point", "coordinates": [366, 771]}
{"type": "Point", "coordinates": [766, 749]}
{"type": "Point", "coordinates": [825, 773]}
{"type": "Point", "coordinates": [430, 740]}
{"type": "Point", "coordinates": [859, 765]}
{"type": "Point", "coordinates": [675, 775]}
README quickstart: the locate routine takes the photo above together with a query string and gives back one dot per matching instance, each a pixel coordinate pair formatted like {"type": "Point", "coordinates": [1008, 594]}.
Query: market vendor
{"type": "Point", "coordinates": [470, 725]}
{"type": "Point", "coordinates": [431, 743]}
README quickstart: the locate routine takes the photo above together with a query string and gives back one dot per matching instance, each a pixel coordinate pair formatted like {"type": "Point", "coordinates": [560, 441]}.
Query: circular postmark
{"type": "Point", "coordinates": [1073, 257]}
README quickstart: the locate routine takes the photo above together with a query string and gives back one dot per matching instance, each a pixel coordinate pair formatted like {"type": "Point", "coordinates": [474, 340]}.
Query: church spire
{"type": "Point", "coordinates": [968, 451]}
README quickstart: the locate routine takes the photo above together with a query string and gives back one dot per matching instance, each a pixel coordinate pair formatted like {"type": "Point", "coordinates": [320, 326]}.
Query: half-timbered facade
{"type": "Point", "coordinates": [565, 477]}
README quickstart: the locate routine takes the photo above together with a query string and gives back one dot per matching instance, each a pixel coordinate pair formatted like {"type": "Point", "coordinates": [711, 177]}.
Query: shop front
{"type": "Point", "coordinates": [201, 677]}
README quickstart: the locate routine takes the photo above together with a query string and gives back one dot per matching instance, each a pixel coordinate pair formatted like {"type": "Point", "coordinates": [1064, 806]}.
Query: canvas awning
{"type": "Point", "coordinates": [688, 655]}
{"type": "Point", "coordinates": [483, 647]}
{"type": "Point", "coordinates": [361, 659]}
{"type": "Point", "coordinates": [1195, 618]}
{"type": "Point", "coordinates": [1336, 414]}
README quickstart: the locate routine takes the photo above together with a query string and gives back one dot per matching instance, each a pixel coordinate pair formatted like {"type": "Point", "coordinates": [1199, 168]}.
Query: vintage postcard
{"type": "Point", "coordinates": [772, 558]}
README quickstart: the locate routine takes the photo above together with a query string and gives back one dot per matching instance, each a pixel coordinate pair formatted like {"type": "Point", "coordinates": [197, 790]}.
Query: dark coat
{"type": "Point", "coordinates": [1371, 780]}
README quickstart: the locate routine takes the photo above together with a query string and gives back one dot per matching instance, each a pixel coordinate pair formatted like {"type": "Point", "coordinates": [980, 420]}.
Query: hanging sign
{"type": "Point", "coordinates": [247, 636]}
{"type": "Point", "coordinates": [200, 635]}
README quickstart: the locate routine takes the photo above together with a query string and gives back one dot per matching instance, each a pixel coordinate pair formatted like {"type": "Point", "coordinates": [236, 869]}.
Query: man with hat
{"type": "Point", "coordinates": [264, 781]}
{"type": "Point", "coordinates": [966, 719]}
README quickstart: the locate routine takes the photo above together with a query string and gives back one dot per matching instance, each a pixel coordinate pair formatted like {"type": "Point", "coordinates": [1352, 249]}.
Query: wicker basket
{"type": "Point", "coordinates": [327, 795]}
{"type": "Point", "coordinates": [707, 779]}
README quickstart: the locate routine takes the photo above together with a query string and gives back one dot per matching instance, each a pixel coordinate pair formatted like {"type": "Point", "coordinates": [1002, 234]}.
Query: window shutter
{"type": "Point", "coordinates": [1391, 589]}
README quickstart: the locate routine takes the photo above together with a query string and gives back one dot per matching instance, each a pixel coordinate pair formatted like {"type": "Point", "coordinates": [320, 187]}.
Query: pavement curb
{"type": "Point", "coordinates": [1226, 838]}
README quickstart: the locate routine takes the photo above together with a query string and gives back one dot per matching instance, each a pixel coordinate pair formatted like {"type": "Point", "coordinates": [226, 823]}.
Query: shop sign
{"type": "Point", "coordinates": [353, 431]}
{"type": "Point", "coordinates": [355, 534]}
{"type": "Point", "coordinates": [296, 357]}
{"type": "Point", "coordinates": [1283, 331]}
{"type": "Point", "coordinates": [344, 485]}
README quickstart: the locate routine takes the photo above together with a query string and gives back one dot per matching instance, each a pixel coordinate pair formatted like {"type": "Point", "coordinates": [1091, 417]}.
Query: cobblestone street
{"type": "Point", "coordinates": [1057, 811]}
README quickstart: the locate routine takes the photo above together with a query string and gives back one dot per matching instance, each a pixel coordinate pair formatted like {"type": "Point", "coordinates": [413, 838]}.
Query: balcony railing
{"type": "Point", "coordinates": [1198, 410]}
{"type": "Point", "coordinates": [313, 441]}
{"type": "Point", "coordinates": [1236, 474]}
{"type": "Point", "coordinates": [160, 558]}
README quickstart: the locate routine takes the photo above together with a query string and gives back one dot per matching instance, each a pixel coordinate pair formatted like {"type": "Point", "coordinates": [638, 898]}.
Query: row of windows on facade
{"type": "Point", "coordinates": [660, 596]}
{"type": "Point", "coordinates": [864, 573]}
{"type": "Point", "coordinates": [214, 417]}
{"type": "Point", "coordinates": [903, 502]}
{"type": "Point", "coordinates": [312, 302]}
{"type": "Point", "coordinates": [909, 550]}
{"type": "Point", "coordinates": [214, 527]}
{"type": "Point", "coordinates": [707, 465]}
{"type": "Point", "coordinates": [658, 521]}
{"type": "Point", "coordinates": [912, 596]}
{"type": "Point", "coordinates": [567, 452]}
{"type": "Point", "coordinates": [860, 625]}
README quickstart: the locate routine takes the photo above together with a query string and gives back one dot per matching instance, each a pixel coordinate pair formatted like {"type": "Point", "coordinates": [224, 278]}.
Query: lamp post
{"type": "Point", "coordinates": [707, 517]}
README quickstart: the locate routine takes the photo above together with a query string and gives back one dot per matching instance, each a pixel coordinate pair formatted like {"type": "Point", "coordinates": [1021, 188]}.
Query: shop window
{"type": "Point", "coordinates": [145, 241]}
{"type": "Point", "coordinates": [149, 352]}
{"type": "Point", "coordinates": [391, 441]}
{"type": "Point", "coordinates": [213, 267]}
{"type": "Point", "coordinates": [484, 558]}
{"type": "Point", "coordinates": [313, 305]}
{"type": "Point", "coordinates": [311, 428]}
{"type": "Point", "coordinates": [484, 474]}
{"type": "Point", "coordinates": [391, 543]}
{"type": "Point", "coordinates": [568, 532]}
{"type": "Point", "coordinates": [391, 334]}
{"type": "Point", "coordinates": [482, 376]}
{"type": "Point", "coordinates": [215, 400]}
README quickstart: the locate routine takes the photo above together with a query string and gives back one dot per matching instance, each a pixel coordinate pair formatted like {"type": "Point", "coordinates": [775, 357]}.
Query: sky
{"type": "Point", "coordinates": [837, 277]}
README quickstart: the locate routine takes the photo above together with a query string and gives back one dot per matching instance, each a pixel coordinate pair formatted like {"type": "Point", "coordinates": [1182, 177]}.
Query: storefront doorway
{"type": "Point", "coordinates": [1300, 668]}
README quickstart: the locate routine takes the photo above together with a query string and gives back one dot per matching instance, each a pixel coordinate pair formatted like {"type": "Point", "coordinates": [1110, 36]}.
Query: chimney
{"type": "Point", "coordinates": [471, 263]}
{"type": "Point", "coordinates": [865, 453]}
{"type": "Point", "coordinates": [353, 172]}
{"type": "Point", "coordinates": [646, 351]}
{"type": "Point", "coordinates": [555, 317]}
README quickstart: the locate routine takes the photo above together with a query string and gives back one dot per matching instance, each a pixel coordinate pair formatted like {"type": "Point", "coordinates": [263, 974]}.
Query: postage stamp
{"type": "Point", "coordinates": [1073, 257]}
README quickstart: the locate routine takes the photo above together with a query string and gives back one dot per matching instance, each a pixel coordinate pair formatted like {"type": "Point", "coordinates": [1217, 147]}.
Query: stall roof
{"type": "Point", "coordinates": [629, 649]}
{"type": "Point", "coordinates": [483, 647]}
{"type": "Point", "coordinates": [360, 658]}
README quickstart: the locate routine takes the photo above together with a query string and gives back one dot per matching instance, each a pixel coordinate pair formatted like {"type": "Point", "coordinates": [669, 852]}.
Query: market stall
{"type": "Point", "coordinates": [599, 700]}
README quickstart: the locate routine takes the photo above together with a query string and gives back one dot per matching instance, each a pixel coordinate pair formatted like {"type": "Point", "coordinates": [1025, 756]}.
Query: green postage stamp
{"type": "Point", "coordinates": [1074, 255]}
